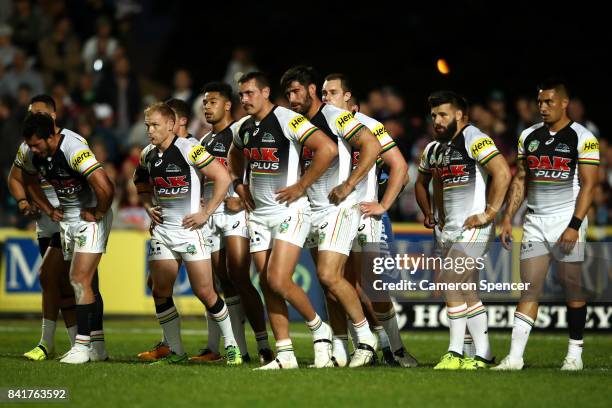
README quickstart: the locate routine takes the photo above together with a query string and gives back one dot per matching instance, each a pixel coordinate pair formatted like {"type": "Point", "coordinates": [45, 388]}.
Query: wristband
{"type": "Point", "coordinates": [575, 223]}
{"type": "Point", "coordinates": [21, 199]}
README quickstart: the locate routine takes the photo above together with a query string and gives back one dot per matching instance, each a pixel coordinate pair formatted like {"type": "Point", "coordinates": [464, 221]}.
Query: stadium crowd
{"type": "Point", "coordinates": [86, 66]}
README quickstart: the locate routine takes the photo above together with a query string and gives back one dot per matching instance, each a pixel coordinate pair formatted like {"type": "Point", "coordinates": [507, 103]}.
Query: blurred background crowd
{"type": "Point", "coordinates": [89, 55]}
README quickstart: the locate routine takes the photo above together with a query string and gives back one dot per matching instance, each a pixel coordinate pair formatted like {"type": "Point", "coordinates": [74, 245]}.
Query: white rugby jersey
{"type": "Point", "coordinates": [272, 149]}
{"type": "Point", "coordinates": [340, 126]}
{"type": "Point", "coordinates": [47, 188]}
{"type": "Point", "coordinates": [367, 189]}
{"type": "Point", "coordinates": [464, 181]}
{"type": "Point", "coordinates": [67, 171]}
{"type": "Point", "coordinates": [427, 165]}
{"type": "Point", "coordinates": [176, 178]}
{"type": "Point", "coordinates": [552, 161]}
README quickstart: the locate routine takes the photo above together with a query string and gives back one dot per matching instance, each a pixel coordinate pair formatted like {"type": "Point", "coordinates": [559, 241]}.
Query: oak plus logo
{"type": "Point", "coordinates": [263, 160]}
{"type": "Point", "coordinates": [171, 185]}
{"type": "Point", "coordinates": [546, 167]}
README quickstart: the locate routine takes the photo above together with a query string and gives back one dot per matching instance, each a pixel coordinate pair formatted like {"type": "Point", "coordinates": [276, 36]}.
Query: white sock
{"type": "Point", "coordinates": [317, 327]}
{"type": "Point", "coordinates": [82, 342]}
{"type": "Point", "coordinates": [354, 337]}
{"type": "Point", "coordinates": [457, 322]}
{"type": "Point", "coordinates": [97, 341]}
{"type": "Point", "coordinates": [234, 306]}
{"type": "Point", "coordinates": [284, 350]}
{"type": "Point", "coordinates": [225, 325]}
{"type": "Point", "coordinates": [477, 325]}
{"type": "Point", "coordinates": [468, 346]}
{"type": "Point", "coordinates": [171, 325]}
{"type": "Point", "coordinates": [164, 340]}
{"type": "Point", "coordinates": [340, 347]}
{"type": "Point", "coordinates": [389, 322]}
{"type": "Point", "coordinates": [214, 334]}
{"type": "Point", "coordinates": [364, 334]}
{"type": "Point", "coordinates": [574, 349]}
{"type": "Point", "coordinates": [262, 340]}
{"type": "Point", "coordinates": [48, 333]}
{"type": "Point", "coordinates": [72, 332]}
{"type": "Point", "coordinates": [520, 334]}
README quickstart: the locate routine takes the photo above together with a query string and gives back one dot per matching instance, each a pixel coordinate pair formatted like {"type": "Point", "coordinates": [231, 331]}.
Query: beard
{"type": "Point", "coordinates": [448, 133]}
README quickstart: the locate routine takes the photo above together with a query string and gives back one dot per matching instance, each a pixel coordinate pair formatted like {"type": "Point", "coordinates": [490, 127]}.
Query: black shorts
{"type": "Point", "coordinates": [53, 242]}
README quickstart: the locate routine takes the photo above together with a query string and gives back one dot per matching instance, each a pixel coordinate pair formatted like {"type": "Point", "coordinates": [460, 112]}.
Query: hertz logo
{"type": "Point", "coordinates": [196, 152]}
{"type": "Point", "coordinates": [480, 145]}
{"type": "Point", "coordinates": [297, 122]}
{"type": "Point", "coordinates": [344, 119]}
{"type": "Point", "coordinates": [81, 157]}
{"type": "Point", "coordinates": [379, 131]}
{"type": "Point", "coordinates": [591, 146]}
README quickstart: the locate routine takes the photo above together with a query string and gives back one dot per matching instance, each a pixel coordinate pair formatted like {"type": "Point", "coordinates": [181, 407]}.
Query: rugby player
{"type": "Point", "coordinates": [430, 204]}
{"type": "Point", "coordinates": [85, 194]}
{"type": "Point", "coordinates": [229, 239]}
{"type": "Point", "coordinates": [474, 179]}
{"type": "Point", "coordinates": [176, 166]}
{"type": "Point", "coordinates": [337, 91]}
{"type": "Point", "coordinates": [271, 139]}
{"type": "Point", "coordinates": [333, 198]}
{"type": "Point", "coordinates": [557, 173]}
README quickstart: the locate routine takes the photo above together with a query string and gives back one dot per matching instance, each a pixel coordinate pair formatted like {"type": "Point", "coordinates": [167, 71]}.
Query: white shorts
{"type": "Point", "coordinates": [226, 224]}
{"type": "Point", "coordinates": [85, 236]}
{"type": "Point", "coordinates": [540, 235]}
{"type": "Point", "coordinates": [333, 229]}
{"type": "Point", "coordinates": [369, 231]}
{"type": "Point", "coordinates": [180, 244]}
{"type": "Point", "coordinates": [46, 227]}
{"type": "Point", "coordinates": [474, 242]}
{"type": "Point", "coordinates": [291, 226]}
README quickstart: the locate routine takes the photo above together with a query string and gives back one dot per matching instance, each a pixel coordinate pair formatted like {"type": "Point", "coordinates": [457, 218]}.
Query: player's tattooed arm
{"type": "Point", "coordinates": [236, 165]}
{"type": "Point", "coordinates": [369, 148]}
{"type": "Point", "coordinates": [217, 173]}
{"type": "Point", "coordinates": [17, 190]}
{"type": "Point", "coordinates": [324, 150]}
{"type": "Point", "coordinates": [104, 190]}
{"type": "Point", "coordinates": [38, 197]}
{"type": "Point", "coordinates": [398, 178]}
{"type": "Point", "coordinates": [499, 171]}
{"type": "Point", "coordinates": [514, 199]}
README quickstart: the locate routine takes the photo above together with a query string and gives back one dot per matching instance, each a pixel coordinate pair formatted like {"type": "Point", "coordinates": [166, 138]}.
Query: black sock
{"type": "Point", "coordinates": [97, 322]}
{"type": "Point", "coordinates": [217, 307]}
{"type": "Point", "coordinates": [84, 318]}
{"type": "Point", "coordinates": [576, 320]}
{"type": "Point", "coordinates": [161, 308]}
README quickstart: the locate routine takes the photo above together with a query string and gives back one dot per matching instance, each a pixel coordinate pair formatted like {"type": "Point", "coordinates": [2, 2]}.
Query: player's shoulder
{"type": "Point", "coordinates": [72, 140]}
{"type": "Point", "coordinates": [368, 121]}
{"type": "Point", "coordinates": [238, 124]}
{"type": "Point", "coordinates": [582, 132]}
{"type": "Point", "coordinates": [146, 154]}
{"type": "Point", "coordinates": [288, 117]}
{"type": "Point", "coordinates": [431, 147]}
{"type": "Point", "coordinates": [476, 141]}
{"type": "Point", "coordinates": [530, 130]}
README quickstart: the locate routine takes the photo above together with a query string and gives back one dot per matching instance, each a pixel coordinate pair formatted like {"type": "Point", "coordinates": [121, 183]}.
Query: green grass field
{"type": "Point", "coordinates": [126, 382]}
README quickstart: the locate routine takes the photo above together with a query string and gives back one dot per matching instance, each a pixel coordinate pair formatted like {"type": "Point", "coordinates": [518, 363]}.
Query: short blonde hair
{"type": "Point", "coordinates": [163, 109]}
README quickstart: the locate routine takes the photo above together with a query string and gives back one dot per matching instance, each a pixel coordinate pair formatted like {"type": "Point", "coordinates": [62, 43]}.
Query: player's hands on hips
{"type": "Point", "coordinates": [88, 214]}
{"type": "Point", "coordinates": [339, 193]}
{"type": "Point", "coordinates": [478, 220]}
{"type": "Point", "coordinates": [234, 204]}
{"type": "Point", "coordinates": [506, 234]}
{"type": "Point", "coordinates": [155, 213]}
{"type": "Point", "coordinates": [371, 209]}
{"type": "Point", "coordinates": [568, 240]}
{"type": "Point", "coordinates": [57, 214]}
{"type": "Point", "coordinates": [429, 221]}
{"type": "Point", "coordinates": [28, 210]}
{"type": "Point", "coordinates": [289, 194]}
{"type": "Point", "coordinates": [197, 220]}
{"type": "Point", "coordinates": [245, 194]}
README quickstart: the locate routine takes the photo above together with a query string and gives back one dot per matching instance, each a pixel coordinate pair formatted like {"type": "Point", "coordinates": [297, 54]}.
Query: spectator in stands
{"type": "Point", "coordinates": [576, 112]}
{"type": "Point", "coordinates": [27, 26]}
{"type": "Point", "coordinates": [182, 87]}
{"type": "Point", "coordinates": [7, 50]}
{"type": "Point", "coordinates": [60, 55]}
{"type": "Point", "coordinates": [241, 63]}
{"type": "Point", "coordinates": [99, 49]}
{"type": "Point", "coordinates": [21, 74]}
{"type": "Point", "coordinates": [528, 114]}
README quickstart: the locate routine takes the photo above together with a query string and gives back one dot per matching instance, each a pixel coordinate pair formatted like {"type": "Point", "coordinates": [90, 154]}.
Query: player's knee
{"type": "Point", "coordinates": [278, 283]}
{"type": "Point", "coordinates": [328, 278]}
{"type": "Point", "coordinates": [46, 279]}
{"type": "Point", "coordinates": [206, 295]}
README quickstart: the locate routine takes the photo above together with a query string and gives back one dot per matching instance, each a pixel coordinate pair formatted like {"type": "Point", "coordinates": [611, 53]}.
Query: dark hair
{"type": "Point", "coordinates": [39, 124]}
{"type": "Point", "coordinates": [260, 78]}
{"type": "Point", "coordinates": [224, 89]}
{"type": "Point", "coordinates": [345, 84]}
{"type": "Point", "coordinates": [179, 107]}
{"type": "Point", "coordinates": [558, 84]}
{"type": "Point", "coordinates": [46, 99]}
{"type": "Point", "coordinates": [441, 97]}
{"type": "Point", "coordinates": [301, 73]}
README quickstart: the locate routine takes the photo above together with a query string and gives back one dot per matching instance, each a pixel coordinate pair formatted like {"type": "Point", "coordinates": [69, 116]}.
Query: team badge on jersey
{"type": "Point", "coordinates": [247, 136]}
{"type": "Point", "coordinates": [81, 240]}
{"type": "Point", "coordinates": [533, 145]}
{"type": "Point", "coordinates": [191, 249]}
